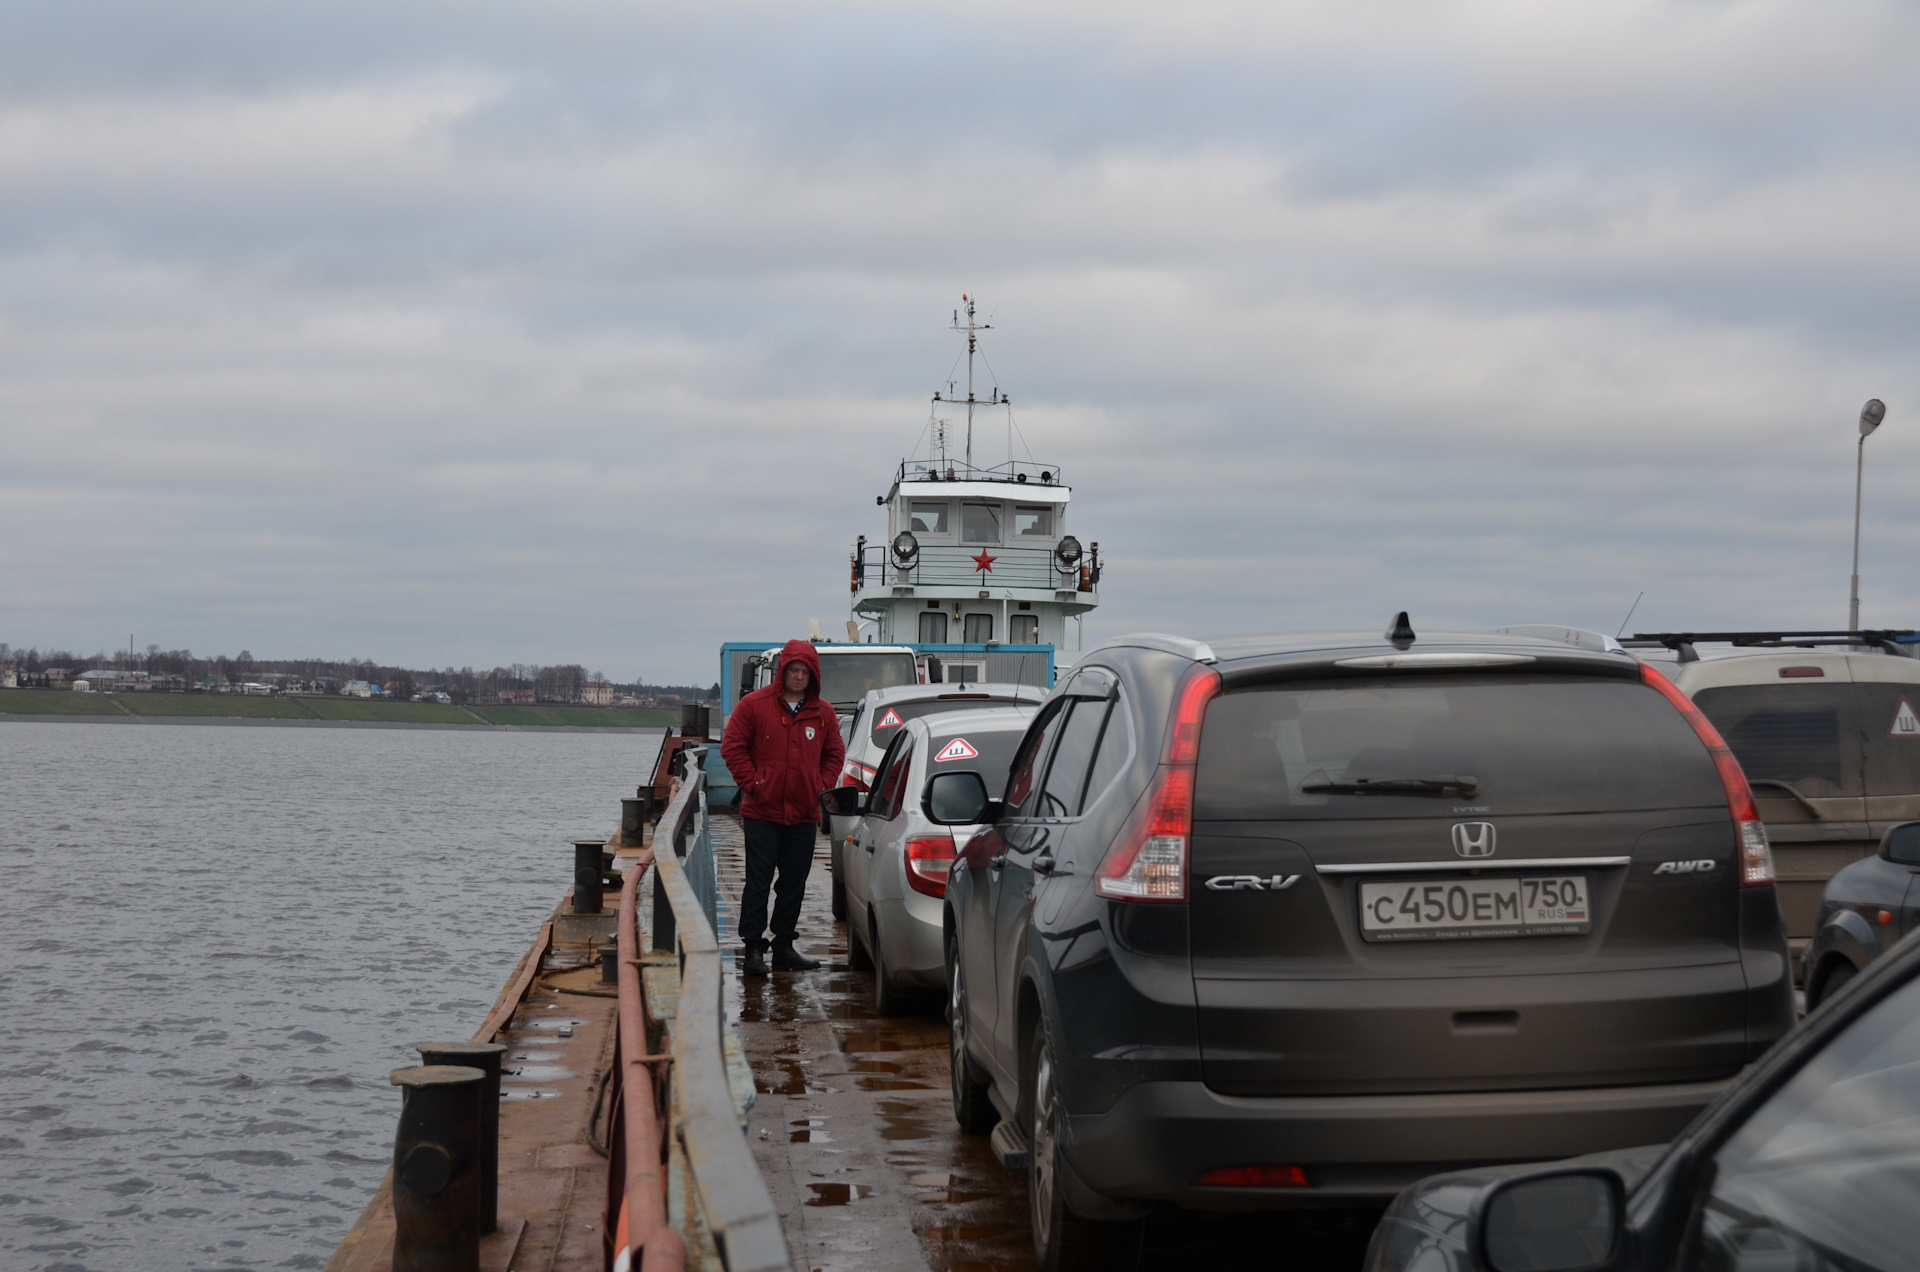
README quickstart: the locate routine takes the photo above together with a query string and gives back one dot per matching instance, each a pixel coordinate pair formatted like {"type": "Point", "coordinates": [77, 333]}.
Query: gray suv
{"type": "Point", "coordinates": [1296, 920]}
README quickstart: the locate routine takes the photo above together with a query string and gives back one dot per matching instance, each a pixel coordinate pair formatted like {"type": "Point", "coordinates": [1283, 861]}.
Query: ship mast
{"type": "Point", "coordinates": [973, 329]}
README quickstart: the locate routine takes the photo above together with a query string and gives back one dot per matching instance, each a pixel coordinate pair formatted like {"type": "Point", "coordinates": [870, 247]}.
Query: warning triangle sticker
{"type": "Point", "coordinates": [958, 749]}
{"type": "Point", "coordinates": [891, 720]}
{"type": "Point", "coordinates": [1905, 723]}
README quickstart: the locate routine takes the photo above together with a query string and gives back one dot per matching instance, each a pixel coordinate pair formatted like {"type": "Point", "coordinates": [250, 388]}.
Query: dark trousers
{"type": "Point", "coordinates": [770, 847]}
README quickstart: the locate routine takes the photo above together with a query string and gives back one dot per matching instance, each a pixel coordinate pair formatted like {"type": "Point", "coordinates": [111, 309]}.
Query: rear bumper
{"type": "Point", "coordinates": [1159, 1136]}
{"type": "Point", "coordinates": [913, 932]}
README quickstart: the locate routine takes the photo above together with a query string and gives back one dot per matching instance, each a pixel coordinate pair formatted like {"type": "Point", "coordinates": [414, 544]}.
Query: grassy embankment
{"type": "Point", "coordinates": [54, 702]}
{"type": "Point", "coordinates": [233, 705]}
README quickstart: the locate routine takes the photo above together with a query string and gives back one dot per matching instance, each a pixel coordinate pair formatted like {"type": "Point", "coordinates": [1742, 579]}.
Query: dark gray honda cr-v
{"type": "Point", "coordinates": [1298, 920]}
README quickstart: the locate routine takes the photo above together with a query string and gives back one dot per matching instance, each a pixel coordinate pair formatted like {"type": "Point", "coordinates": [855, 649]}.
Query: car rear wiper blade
{"type": "Point", "coordinates": [1392, 786]}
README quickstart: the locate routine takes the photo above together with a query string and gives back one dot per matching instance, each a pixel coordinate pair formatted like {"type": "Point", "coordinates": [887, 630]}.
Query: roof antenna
{"type": "Point", "coordinates": [1400, 631]}
{"type": "Point", "coordinates": [1629, 617]}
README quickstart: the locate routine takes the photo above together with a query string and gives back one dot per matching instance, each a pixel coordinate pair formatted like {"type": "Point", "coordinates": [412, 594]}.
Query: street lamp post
{"type": "Point", "coordinates": [1870, 416]}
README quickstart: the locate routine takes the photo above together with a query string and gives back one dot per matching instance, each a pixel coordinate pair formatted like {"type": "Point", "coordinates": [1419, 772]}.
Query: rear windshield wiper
{"type": "Point", "coordinates": [1391, 785]}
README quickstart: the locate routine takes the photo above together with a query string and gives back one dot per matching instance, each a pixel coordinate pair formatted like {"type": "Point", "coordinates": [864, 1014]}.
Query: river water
{"type": "Point", "coordinates": [218, 941]}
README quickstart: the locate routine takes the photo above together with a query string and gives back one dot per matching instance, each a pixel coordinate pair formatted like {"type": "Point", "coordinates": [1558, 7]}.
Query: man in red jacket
{"type": "Point", "coordinates": [783, 747]}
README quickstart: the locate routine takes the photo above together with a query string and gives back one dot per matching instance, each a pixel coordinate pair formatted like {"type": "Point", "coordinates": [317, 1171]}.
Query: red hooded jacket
{"type": "Point", "coordinates": [783, 759]}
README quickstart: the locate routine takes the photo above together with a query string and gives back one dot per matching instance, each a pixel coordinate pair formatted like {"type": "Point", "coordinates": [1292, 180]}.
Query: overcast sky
{"type": "Point", "coordinates": [471, 333]}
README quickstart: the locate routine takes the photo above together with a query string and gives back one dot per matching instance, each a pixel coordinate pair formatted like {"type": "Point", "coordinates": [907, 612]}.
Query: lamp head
{"type": "Point", "coordinates": [1871, 414]}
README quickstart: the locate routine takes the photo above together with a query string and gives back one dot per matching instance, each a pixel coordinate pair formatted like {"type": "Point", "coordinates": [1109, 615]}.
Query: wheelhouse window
{"type": "Point", "coordinates": [928, 516]}
{"type": "Point", "coordinates": [979, 629]}
{"type": "Point", "coordinates": [1033, 523]}
{"type": "Point", "coordinates": [1024, 629]}
{"type": "Point", "coordinates": [933, 628]}
{"type": "Point", "coordinates": [980, 523]}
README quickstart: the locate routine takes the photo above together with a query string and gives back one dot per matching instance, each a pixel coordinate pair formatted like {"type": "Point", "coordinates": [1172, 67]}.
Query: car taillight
{"type": "Point", "coordinates": [1148, 862]}
{"type": "Point", "coordinates": [1254, 1177]}
{"type": "Point", "coordinates": [928, 860]}
{"type": "Point", "coordinates": [1756, 855]}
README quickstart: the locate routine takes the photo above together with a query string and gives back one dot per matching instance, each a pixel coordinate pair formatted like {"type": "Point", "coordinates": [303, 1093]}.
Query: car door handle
{"type": "Point", "coordinates": [1043, 865]}
{"type": "Point", "coordinates": [869, 845]}
{"type": "Point", "coordinates": [999, 862]}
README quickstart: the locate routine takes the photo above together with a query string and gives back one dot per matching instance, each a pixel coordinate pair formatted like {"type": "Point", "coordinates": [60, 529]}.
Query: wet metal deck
{"type": "Point", "coordinates": [854, 1132]}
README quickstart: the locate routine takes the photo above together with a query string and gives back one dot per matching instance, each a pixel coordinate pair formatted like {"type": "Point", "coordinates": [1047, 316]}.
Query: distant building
{"type": "Point", "coordinates": [57, 677]}
{"type": "Point", "coordinates": [517, 695]}
{"type": "Point", "coordinates": [9, 677]}
{"type": "Point", "coordinates": [597, 695]}
{"type": "Point", "coordinates": [358, 689]}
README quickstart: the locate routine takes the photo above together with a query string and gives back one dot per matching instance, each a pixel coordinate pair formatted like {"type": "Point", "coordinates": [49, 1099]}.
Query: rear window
{"type": "Point", "coordinates": [1824, 740]}
{"type": "Point", "coordinates": [893, 717]}
{"type": "Point", "coordinates": [993, 754]}
{"type": "Point", "coordinates": [1533, 744]}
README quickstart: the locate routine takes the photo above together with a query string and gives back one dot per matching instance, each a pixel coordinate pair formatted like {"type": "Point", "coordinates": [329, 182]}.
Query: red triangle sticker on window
{"type": "Point", "coordinates": [958, 749]}
{"type": "Point", "coordinates": [891, 720]}
{"type": "Point", "coordinates": [1905, 723]}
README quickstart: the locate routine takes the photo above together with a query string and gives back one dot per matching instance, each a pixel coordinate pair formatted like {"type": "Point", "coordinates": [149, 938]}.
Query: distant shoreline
{"type": "Point", "coordinates": [272, 722]}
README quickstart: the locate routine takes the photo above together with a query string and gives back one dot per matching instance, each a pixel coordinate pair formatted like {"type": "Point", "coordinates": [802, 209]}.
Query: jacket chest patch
{"type": "Point", "coordinates": [809, 733]}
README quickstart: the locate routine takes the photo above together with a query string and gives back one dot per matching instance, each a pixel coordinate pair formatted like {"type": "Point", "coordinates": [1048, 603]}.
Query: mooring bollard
{"type": "Point", "coordinates": [586, 875]}
{"type": "Point", "coordinates": [610, 964]}
{"type": "Point", "coordinates": [486, 1057]}
{"type": "Point", "coordinates": [633, 822]}
{"type": "Point", "coordinates": [436, 1169]}
{"type": "Point", "coordinates": [693, 720]}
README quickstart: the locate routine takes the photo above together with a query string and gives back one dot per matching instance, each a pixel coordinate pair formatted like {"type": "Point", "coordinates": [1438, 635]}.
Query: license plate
{"type": "Point", "coordinates": [1455, 909]}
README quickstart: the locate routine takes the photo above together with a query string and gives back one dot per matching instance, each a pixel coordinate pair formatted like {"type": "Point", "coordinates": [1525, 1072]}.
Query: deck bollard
{"type": "Point", "coordinates": [633, 822]}
{"type": "Point", "coordinates": [693, 720]}
{"type": "Point", "coordinates": [486, 1057]}
{"type": "Point", "coordinates": [436, 1169]}
{"type": "Point", "coordinates": [586, 875]}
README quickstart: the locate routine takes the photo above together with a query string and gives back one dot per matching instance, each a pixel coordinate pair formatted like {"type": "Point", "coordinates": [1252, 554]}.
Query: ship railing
{"type": "Point", "coordinates": [1020, 471]}
{"type": "Point", "coordinates": [946, 566]}
{"type": "Point", "coordinates": [673, 1112]}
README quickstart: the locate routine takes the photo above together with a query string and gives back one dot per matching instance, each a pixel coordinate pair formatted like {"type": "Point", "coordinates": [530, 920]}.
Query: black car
{"type": "Point", "coordinates": [1295, 921]}
{"type": "Point", "coordinates": [1866, 908]}
{"type": "Point", "coordinates": [1811, 1164]}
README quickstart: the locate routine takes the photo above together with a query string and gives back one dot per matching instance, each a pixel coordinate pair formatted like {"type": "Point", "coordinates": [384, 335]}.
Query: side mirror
{"type": "Point", "coordinates": [958, 799]}
{"type": "Point", "coordinates": [1566, 1221]}
{"type": "Point", "coordinates": [1902, 843]}
{"type": "Point", "coordinates": [841, 801]}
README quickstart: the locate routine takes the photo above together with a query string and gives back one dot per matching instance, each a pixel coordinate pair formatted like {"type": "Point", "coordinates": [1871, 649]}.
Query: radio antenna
{"type": "Point", "coordinates": [1629, 617]}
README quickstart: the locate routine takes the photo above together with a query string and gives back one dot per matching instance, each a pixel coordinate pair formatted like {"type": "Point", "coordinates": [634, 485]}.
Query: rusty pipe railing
{"type": "Point", "coordinates": [731, 1195]}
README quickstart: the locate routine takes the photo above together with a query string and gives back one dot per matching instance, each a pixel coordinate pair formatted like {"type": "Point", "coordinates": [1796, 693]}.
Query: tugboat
{"type": "Point", "coordinates": [978, 573]}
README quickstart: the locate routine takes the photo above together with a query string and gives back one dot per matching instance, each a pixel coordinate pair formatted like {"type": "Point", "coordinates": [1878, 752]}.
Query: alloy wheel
{"type": "Point", "coordinates": [956, 1029]}
{"type": "Point", "coordinates": [1042, 1169]}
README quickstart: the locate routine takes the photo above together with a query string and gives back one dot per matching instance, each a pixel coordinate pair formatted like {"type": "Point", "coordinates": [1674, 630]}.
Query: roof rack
{"type": "Point", "coordinates": [1900, 643]}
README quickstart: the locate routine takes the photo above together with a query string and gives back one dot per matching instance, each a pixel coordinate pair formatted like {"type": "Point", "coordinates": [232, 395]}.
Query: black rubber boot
{"type": "Point", "coordinates": [788, 959]}
{"type": "Point", "coordinates": [755, 963]}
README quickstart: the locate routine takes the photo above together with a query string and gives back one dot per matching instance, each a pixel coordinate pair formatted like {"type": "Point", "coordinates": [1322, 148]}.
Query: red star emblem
{"type": "Point", "coordinates": [984, 562]}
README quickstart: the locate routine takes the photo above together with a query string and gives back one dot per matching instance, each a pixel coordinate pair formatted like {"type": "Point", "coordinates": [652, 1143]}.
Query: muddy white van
{"type": "Point", "coordinates": [1827, 727]}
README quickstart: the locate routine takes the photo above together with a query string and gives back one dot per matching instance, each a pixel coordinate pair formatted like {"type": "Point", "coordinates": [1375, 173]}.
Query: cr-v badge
{"type": "Point", "coordinates": [1473, 839]}
{"type": "Point", "coordinates": [1254, 883]}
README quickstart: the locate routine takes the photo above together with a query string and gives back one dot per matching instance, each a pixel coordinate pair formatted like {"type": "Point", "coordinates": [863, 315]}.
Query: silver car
{"type": "Point", "coordinates": [896, 859]}
{"type": "Point", "coordinates": [881, 715]}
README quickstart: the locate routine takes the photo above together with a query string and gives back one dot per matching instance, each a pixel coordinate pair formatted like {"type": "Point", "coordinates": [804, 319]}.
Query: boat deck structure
{"type": "Point", "coordinates": [786, 1096]}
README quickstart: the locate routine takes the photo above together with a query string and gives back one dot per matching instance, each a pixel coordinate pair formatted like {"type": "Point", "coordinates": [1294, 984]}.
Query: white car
{"type": "Point", "coordinates": [878, 717]}
{"type": "Point", "coordinates": [896, 859]}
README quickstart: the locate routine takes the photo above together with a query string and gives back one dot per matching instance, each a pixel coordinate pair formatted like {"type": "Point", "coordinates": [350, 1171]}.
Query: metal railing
{"type": "Point", "coordinates": [940, 565]}
{"type": "Point", "coordinates": [1019, 471]}
{"type": "Point", "coordinates": [694, 1108]}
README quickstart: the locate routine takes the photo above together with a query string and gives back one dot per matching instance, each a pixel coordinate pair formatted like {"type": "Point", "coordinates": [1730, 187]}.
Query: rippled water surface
{"type": "Point", "coordinates": [218, 941]}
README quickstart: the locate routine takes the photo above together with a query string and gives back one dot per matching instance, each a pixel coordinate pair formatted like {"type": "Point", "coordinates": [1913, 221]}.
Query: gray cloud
{"type": "Point", "coordinates": [472, 333]}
